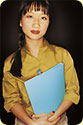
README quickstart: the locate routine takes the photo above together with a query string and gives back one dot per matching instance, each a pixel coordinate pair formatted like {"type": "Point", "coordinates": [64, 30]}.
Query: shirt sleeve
{"type": "Point", "coordinates": [11, 92]}
{"type": "Point", "coordinates": [71, 79]}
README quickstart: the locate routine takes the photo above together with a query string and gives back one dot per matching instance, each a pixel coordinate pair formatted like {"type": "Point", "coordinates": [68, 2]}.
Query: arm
{"type": "Point", "coordinates": [12, 98]}
{"type": "Point", "coordinates": [20, 113]}
{"type": "Point", "coordinates": [13, 103]}
{"type": "Point", "coordinates": [62, 108]}
{"type": "Point", "coordinates": [56, 115]}
{"type": "Point", "coordinates": [71, 86]}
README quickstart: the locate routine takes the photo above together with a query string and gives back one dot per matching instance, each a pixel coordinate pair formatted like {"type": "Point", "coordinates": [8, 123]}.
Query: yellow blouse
{"type": "Point", "coordinates": [49, 55]}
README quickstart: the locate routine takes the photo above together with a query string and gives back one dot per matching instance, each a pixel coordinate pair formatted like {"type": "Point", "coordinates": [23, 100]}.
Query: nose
{"type": "Point", "coordinates": [36, 23]}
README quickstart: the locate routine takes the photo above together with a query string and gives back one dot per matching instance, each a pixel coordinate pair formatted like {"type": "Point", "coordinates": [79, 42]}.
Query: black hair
{"type": "Point", "coordinates": [17, 64]}
{"type": "Point", "coordinates": [24, 7]}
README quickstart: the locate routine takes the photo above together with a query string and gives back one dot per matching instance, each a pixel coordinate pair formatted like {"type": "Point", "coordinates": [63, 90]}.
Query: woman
{"type": "Point", "coordinates": [35, 52]}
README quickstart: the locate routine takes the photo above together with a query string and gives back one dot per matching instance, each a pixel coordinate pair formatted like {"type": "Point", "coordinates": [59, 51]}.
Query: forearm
{"type": "Point", "coordinates": [19, 112]}
{"type": "Point", "coordinates": [62, 108]}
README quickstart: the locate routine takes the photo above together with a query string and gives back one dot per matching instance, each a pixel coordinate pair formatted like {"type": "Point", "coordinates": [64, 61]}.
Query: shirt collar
{"type": "Point", "coordinates": [44, 46]}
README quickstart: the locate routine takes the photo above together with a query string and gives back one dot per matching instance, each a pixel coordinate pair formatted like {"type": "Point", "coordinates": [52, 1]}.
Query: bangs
{"type": "Point", "coordinates": [36, 6]}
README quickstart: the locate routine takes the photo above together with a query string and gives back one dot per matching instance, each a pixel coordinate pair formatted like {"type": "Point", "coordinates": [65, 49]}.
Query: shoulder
{"type": "Point", "coordinates": [59, 49]}
{"type": "Point", "coordinates": [62, 53]}
{"type": "Point", "coordinates": [8, 63]}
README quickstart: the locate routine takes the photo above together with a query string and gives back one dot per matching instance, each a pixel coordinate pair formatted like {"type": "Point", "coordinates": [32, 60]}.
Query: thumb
{"type": "Point", "coordinates": [51, 114]}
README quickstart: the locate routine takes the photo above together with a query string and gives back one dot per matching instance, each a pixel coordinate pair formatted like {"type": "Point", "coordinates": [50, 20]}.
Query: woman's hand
{"type": "Point", "coordinates": [62, 108]}
{"type": "Point", "coordinates": [40, 115]}
{"type": "Point", "coordinates": [52, 117]}
{"type": "Point", "coordinates": [42, 119]}
{"type": "Point", "coordinates": [33, 116]}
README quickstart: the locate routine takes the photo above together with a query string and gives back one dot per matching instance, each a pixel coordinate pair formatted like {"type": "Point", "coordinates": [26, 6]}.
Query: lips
{"type": "Point", "coordinates": [35, 31]}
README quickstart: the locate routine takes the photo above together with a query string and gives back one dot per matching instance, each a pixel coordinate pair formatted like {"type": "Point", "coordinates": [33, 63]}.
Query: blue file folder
{"type": "Point", "coordinates": [46, 91]}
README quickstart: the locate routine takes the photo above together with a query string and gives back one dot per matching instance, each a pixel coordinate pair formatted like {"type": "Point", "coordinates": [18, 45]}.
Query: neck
{"type": "Point", "coordinates": [33, 46]}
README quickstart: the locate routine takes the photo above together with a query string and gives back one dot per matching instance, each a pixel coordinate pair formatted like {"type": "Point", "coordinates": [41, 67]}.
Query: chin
{"type": "Point", "coordinates": [36, 37]}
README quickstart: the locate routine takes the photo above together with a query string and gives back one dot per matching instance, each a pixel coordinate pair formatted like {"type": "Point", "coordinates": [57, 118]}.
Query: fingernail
{"type": "Point", "coordinates": [31, 115]}
{"type": "Point", "coordinates": [53, 111]}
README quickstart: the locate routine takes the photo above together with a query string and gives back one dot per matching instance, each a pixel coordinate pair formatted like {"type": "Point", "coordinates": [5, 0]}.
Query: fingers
{"type": "Point", "coordinates": [51, 118]}
{"type": "Point", "coordinates": [55, 121]}
{"type": "Point", "coordinates": [40, 115]}
{"type": "Point", "coordinates": [43, 115]}
{"type": "Point", "coordinates": [31, 116]}
{"type": "Point", "coordinates": [50, 114]}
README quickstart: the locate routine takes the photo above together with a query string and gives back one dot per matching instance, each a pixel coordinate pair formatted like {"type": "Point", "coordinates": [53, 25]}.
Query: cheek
{"type": "Point", "coordinates": [44, 27]}
{"type": "Point", "coordinates": [26, 24]}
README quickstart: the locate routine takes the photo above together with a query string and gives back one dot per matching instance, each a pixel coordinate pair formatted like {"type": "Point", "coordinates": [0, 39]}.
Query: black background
{"type": "Point", "coordinates": [65, 30]}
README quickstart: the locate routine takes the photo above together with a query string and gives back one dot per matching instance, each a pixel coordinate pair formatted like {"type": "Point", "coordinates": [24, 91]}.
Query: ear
{"type": "Point", "coordinates": [20, 23]}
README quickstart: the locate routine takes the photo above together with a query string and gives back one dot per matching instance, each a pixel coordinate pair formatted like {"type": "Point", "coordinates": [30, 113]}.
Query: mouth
{"type": "Point", "coordinates": [35, 31]}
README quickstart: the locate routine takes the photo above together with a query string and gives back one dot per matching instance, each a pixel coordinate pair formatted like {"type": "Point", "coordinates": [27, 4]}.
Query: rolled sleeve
{"type": "Point", "coordinates": [71, 80]}
{"type": "Point", "coordinates": [11, 92]}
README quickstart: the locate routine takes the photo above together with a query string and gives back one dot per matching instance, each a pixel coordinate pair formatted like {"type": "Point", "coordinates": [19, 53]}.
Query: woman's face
{"type": "Point", "coordinates": [34, 24]}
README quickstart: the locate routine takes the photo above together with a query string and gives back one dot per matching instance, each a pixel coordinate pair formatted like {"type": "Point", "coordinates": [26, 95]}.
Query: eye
{"type": "Point", "coordinates": [43, 18]}
{"type": "Point", "coordinates": [29, 16]}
